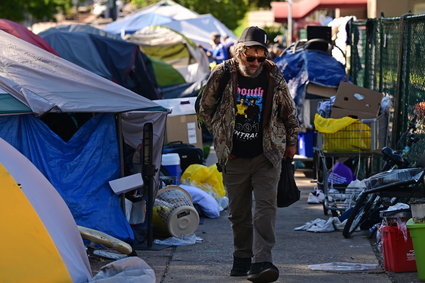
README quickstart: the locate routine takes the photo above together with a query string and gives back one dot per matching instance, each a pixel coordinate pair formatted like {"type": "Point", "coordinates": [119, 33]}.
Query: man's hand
{"type": "Point", "coordinates": [290, 151]}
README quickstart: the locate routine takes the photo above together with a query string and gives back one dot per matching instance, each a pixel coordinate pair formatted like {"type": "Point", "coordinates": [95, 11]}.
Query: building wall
{"type": "Point", "coordinates": [394, 8]}
{"type": "Point", "coordinates": [360, 14]}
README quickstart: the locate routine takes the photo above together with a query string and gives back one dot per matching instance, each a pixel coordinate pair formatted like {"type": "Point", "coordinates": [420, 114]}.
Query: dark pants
{"type": "Point", "coordinates": [253, 235]}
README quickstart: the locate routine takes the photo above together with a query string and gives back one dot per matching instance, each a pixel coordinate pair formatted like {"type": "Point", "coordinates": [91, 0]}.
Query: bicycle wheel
{"type": "Point", "coordinates": [361, 211]}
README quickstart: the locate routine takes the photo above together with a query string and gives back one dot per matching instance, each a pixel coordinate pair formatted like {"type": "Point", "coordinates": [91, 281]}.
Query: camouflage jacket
{"type": "Point", "coordinates": [280, 125]}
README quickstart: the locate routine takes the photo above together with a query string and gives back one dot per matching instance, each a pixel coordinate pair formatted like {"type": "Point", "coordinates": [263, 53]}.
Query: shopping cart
{"type": "Point", "coordinates": [349, 141]}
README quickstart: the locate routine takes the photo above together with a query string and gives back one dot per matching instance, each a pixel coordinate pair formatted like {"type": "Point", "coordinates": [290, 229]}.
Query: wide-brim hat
{"type": "Point", "coordinates": [254, 36]}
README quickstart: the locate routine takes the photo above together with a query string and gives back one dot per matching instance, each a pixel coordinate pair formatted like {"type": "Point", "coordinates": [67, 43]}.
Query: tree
{"type": "Point", "coordinates": [18, 10]}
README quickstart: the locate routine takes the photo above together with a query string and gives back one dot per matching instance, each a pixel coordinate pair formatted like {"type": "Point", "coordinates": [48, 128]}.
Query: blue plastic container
{"type": "Point", "coordinates": [171, 162]}
{"type": "Point", "coordinates": [305, 143]}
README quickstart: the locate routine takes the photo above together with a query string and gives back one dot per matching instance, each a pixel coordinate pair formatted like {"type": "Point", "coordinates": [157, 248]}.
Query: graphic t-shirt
{"type": "Point", "coordinates": [248, 136]}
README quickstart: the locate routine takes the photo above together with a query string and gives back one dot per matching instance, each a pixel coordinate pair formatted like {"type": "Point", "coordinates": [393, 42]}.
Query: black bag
{"type": "Point", "coordinates": [189, 154]}
{"type": "Point", "coordinates": [287, 190]}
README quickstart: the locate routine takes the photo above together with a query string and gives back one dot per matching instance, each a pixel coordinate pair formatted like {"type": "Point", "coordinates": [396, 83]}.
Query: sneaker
{"type": "Point", "coordinates": [263, 272]}
{"type": "Point", "coordinates": [241, 266]}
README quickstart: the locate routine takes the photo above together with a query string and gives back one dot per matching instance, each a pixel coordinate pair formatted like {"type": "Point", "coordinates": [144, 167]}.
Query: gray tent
{"type": "Point", "coordinates": [36, 82]}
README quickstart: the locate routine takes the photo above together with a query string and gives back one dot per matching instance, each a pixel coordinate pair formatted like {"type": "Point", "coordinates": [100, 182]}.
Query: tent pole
{"type": "Point", "coordinates": [121, 152]}
{"type": "Point", "coordinates": [149, 173]}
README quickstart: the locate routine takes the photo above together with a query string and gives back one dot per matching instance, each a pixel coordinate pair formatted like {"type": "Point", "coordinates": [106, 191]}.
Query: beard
{"type": "Point", "coordinates": [247, 73]}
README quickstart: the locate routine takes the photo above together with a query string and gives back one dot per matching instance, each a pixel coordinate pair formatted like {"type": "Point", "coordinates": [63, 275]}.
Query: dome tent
{"type": "Point", "coordinates": [39, 225]}
{"type": "Point", "coordinates": [165, 74]}
{"type": "Point", "coordinates": [156, 14]}
{"type": "Point", "coordinates": [172, 47]}
{"type": "Point", "coordinates": [80, 168]}
{"type": "Point", "coordinates": [115, 60]}
{"type": "Point", "coordinates": [23, 33]}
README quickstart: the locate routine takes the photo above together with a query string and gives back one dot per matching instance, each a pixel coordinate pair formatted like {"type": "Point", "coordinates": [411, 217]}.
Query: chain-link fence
{"type": "Point", "coordinates": [388, 55]}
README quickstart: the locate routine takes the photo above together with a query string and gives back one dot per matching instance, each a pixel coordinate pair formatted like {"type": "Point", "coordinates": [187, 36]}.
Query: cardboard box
{"type": "Point", "coordinates": [320, 91]}
{"type": "Point", "coordinates": [358, 101]}
{"type": "Point", "coordinates": [183, 128]}
{"type": "Point", "coordinates": [182, 124]}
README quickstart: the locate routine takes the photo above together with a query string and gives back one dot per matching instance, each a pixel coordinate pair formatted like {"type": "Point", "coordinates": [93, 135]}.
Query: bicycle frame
{"type": "Point", "coordinates": [389, 184]}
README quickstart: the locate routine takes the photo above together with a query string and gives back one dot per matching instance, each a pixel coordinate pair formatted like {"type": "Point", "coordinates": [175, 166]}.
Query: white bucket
{"type": "Point", "coordinates": [174, 213]}
{"type": "Point", "coordinates": [171, 162]}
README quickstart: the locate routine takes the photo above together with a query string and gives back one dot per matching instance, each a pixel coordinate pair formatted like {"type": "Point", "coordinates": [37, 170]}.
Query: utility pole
{"type": "Point", "coordinates": [289, 31]}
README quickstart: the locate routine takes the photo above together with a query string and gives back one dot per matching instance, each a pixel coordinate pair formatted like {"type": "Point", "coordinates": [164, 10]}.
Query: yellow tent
{"type": "Point", "coordinates": [40, 240]}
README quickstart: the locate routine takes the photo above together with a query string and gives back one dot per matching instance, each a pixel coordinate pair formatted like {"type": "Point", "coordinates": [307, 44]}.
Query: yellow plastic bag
{"type": "Point", "coordinates": [205, 178]}
{"type": "Point", "coordinates": [344, 134]}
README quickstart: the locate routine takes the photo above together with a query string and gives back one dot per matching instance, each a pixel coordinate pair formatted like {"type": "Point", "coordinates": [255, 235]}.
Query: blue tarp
{"type": "Point", "coordinates": [305, 66]}
{"type": "Point", "coordinates": [79, 169]}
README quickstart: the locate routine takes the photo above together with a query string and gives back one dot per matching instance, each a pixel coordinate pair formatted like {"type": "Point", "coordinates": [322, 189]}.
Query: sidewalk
{"type": "Point", "coordinates": [211, 260]}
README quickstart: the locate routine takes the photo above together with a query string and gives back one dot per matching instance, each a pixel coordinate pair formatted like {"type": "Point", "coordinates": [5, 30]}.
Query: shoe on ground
{"type": "Point", "coordinates": [312, 199]}
{"type": "Point", "coordinates": [263, 272]}
{"type": "Point", "coordinates": [241, 266]}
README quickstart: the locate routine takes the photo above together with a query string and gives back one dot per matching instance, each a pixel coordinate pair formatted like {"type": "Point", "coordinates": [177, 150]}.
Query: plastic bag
{"type": "Point", "coordinates": [343, 266]}
{"type": "Point", "coordinates": [287, 190]}
{"type": "Point", "coordinates": [205, 178]}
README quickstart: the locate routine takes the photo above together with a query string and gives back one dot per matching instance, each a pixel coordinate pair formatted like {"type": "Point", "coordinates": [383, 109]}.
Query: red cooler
{"type": "Point", "coordinates": [398, 253]}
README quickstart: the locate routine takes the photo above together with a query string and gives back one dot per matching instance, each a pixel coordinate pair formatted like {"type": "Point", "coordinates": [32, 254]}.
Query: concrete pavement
{"type": "Point", "coordinates": [211, 260]}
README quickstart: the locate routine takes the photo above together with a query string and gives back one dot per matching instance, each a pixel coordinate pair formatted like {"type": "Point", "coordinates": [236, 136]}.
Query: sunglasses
{"type": "Point", "coordinates": [252, 59]}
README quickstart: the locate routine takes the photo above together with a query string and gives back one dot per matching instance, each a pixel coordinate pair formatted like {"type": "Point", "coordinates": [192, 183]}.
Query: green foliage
{"type": "Point", "coordinates": [242, 24]}
{"type": "Point", "coordinates": [255, 4]}
{"type": "Point", "coordinates": [18, 10]}
{"type": "Point", "coordinates": [273, 31]}
{"type": "Point", "coordinates": [143, 3]}
{"type": "Point", "coordinates": [229, 12]}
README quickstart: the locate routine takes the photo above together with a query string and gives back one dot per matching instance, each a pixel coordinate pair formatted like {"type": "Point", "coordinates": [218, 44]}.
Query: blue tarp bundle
{"type": "Point", "coordinates": [79, 169]}
{"type": "Point", "coordinates": [305, 66]}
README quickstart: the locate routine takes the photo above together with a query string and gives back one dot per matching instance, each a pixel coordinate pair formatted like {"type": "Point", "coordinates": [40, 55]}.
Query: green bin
{"type": "Point", "coordinates": [417, 233]}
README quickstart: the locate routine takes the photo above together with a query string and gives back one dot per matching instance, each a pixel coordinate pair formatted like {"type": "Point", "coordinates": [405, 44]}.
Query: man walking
{"type": "Point", "coordinates": [249, 152]}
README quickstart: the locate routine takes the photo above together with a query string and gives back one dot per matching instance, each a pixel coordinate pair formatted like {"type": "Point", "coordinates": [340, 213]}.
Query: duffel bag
{"type": "Point", "coordinates": [189, 154]}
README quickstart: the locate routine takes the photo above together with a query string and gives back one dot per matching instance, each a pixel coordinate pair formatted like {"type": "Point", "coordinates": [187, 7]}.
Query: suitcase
{"type": "Point", "coordinates": [189, 154]}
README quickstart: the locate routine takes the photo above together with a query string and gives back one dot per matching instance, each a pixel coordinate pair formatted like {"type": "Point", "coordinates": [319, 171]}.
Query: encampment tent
{"type": "Point", "coordinates": [165, 74]}
{"type": "Point", "coordinates": [23, 33]}
{"type": "Point", "coordinates": [81, 167]}
{"type": "Point", "coordinates": [41, 242]}
{"type": "Point", "coordinates": [79, 28]}
{"type": "Point", "coordinates": [134, 22]}
{"type": "Point", "coordinates": [173, 48]}
{"type": "Point", "coordinates": [196, 27]}
{"type": "Point", "coordinates": [156, 14]}
{"type": "Point", "coordinates": [199, 29]}
{"type": "Point", "coordinates": [168, 8]}
{"type": "Point", "coordinates": [116, 60]}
